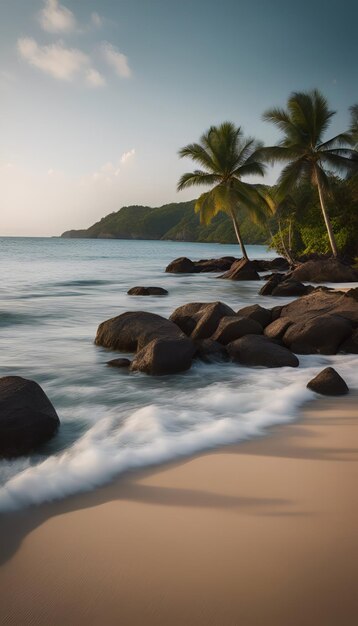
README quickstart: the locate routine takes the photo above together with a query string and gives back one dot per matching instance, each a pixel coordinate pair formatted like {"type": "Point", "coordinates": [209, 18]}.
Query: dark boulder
{"type": "Point", "coordinates": [266, 265]}
{"type": "Point", "coordinates": [325, 270]}
{"type": "Point", "coordinates": [183, 265]}
{"type": "Point", "coordinates": [259, 350]}
{"type": "Point", "coordinates": [322, 335]}
{"type": "Point", "coordinates": [328, 383]}
{"type": "Point", "coordinates": [231, 328]}
{"type": "Point", "coordinates": [164, 356]}
{"type": "Point", "coordinates": [352, 293]}
{"type": "Point", "coordinates": [120, 363]}
{"type": "Point", "coordinates": [131, 331]}
{"type": "Point", "coordinates": [210, 351]}
{"type": "Point", "coordinates": [147, 291]}
{"type": "Point", "coordinates": [279, 263]}
{"type": "Point", "coordinates": [187, 315]}
{"type": "Point", "coordinates": [277, 329]}
{"type": "Point", "coordinates": [200, 320]}
{"type": "Point", "coordinates": [291, 287]}
{"type": "Point", "coordinates": [215, 265]}
{"type": "Point", "coordinates": [321, 302]}
{"type": "Point", "coordinates": [271, 284]}
{"type": "Point", "coordinates": [350, 345]}
{"type": "Point", "coordinates": [276, 312]}
{"type": "Point", "coordinates": [257, 313]}
{"type": "Point", "coordinates": [241, 270]}
{"type": "Point", "coordinates": [27, 417]}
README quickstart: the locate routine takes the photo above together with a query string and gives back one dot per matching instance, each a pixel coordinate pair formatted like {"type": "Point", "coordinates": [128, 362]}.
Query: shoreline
{"type": "Point", "coordinates": [192, 542]}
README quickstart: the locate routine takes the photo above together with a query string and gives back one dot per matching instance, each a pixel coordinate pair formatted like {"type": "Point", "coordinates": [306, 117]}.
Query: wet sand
{"type": "Point", "coordinates": [259, 534]}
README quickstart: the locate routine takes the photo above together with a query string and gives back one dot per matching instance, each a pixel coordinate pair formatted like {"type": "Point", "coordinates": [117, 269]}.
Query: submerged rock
{"type": "Point", "coordinates": [291, 287]}
{"type": "Point", "coordinates": [266, 265]}
{"type": "Point", "coordinates": [183, 265]}
{"type": "Point", "coordinates": [131, 331]}
{"type": "Point", "coordinates": [27, 417]}
{"type": "Point", "coordinates": [147, 291]}
{"type": "Point", "coordinates": [271, 284]}
{"type": "Point", "coordinates": [210, 351]}
{"type": "Point", "coordinates": [162, 348]}
{"type": "Point", "coordinates": [259, 350]}
{"type": "Point", "coordinates": [242, 270]}
{"type": "Point", "coordinates": [281, 285]}
{"type": "Point", "coordinates": [164, 356]}
{"type": "Point", "coordinates": [328, 383]}
{"type": "Point", "coordinates": [121, 363]}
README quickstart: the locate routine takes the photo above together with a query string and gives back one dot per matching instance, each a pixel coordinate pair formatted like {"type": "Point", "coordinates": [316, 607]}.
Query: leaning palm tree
{"type": "Point", "coordinates": [225, 157]}
{"type": "Point", "coordinates": [303, 124]}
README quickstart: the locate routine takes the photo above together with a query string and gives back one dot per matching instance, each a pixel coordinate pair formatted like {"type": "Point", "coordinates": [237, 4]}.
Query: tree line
{"type": "Point", "coordinates": [317, 173]}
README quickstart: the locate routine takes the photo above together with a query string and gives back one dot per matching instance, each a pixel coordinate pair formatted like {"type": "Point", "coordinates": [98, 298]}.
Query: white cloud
{"type": "Point", "coordinates": [94, 78]}
{"type": "Point", "coordinates": [60, 62]}
{"type": "Point", "coordinates": [55, 18]}
{"type": "Point", "coordinates": [116, 59]}
{"type": "Point", "coordinates": [127, 156]}
{"type": "Point", "coordinates": [96, 20]}
{"type": "Point", "coordinates": [107, 172]}
{"type": "Point", "coordinates": [110, 171]}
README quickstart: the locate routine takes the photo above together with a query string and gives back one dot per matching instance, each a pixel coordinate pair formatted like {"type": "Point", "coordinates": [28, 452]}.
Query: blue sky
{"type": "Point", "coordinates": [97, 96]}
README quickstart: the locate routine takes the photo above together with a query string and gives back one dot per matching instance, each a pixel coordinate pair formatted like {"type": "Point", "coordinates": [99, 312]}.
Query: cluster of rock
{"type": "Point", "coordinates": [323, 322]}
{"type": "Point", "coordinates": [283, 282]}
{"type": "Point", "coordinates": [183, 265]}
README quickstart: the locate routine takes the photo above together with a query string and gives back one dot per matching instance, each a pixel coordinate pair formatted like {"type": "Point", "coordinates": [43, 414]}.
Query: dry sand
{"type": "Point", "coordinates": [260, 534]}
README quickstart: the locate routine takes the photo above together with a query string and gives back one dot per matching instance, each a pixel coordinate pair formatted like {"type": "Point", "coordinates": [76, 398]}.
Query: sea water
{"type": "Point", "coordinates": [55, 292]}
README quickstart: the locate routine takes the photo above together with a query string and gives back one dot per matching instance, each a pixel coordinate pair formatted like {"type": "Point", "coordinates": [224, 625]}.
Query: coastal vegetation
{"type": "Point", "coordinates": [226, 157]}
{"type": "Point", "coordinates": [307, 155]}
{"type": "Point", "coordinates": [313, 208]}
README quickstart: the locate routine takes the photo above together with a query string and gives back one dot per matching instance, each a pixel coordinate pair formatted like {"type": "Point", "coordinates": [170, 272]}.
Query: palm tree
{"type": "Point", "coordinates": [303, 124]}
{"type": "Point", "coordinates": [226, 156]}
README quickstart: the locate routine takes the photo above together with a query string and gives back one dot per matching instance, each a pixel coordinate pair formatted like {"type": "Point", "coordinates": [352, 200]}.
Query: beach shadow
{"type": "Point", "coordinates": [14, 527]}
{"type": "Point", "coordinates": [287, 445]}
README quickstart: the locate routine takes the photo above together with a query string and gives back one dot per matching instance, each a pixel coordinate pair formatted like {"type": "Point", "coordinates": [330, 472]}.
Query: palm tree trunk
{"type": "Point", "coordinates": [327, 221]}
{"type": "Point", "coordinates": [238, 234]}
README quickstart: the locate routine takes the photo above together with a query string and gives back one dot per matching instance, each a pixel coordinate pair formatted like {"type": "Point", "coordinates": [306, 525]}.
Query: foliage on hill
{"type": "Point", "coordinates": [176, 221]}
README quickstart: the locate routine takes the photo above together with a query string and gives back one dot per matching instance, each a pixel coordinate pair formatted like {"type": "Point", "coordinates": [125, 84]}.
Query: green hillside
{"type": "Point", "coordinates": [176, 221]}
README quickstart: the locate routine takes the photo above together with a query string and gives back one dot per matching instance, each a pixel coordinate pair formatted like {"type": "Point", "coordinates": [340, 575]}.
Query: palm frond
{"type": "Point", "coordinates": [342, 161]}
{"type": "Point", "coordinates": [197, 153]}
{"type": "Point", "coordinates": [341, 140]}
{"type": "Point", "coordinates": [292, 176]}
{"type": "Point", "coordinates": [207, 206]}
{"type": "Point", "coordinates": [198, 177]}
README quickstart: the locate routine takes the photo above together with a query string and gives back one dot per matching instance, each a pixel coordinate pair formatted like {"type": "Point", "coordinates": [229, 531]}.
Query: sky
{"type": "Point", "coordinates": [97, 96]}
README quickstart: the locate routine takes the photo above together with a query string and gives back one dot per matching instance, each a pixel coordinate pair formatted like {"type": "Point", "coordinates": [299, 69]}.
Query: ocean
{"type": "Point", "coordinates": [54, 294]}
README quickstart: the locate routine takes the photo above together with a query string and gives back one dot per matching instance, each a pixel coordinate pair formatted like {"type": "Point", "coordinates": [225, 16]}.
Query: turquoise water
{"type": "Point", "coordinates": [55, 292]}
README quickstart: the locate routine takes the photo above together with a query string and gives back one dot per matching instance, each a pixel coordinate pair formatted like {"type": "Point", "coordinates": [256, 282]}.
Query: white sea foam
{"type": "Point", "coordinates": [111, 421]}
{"type": "Point", "coordinates": [238, 408]}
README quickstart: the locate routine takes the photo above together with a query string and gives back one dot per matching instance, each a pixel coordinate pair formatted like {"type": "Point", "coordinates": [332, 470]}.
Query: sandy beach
{"type": "Point", "coordinates": [262, 533]}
